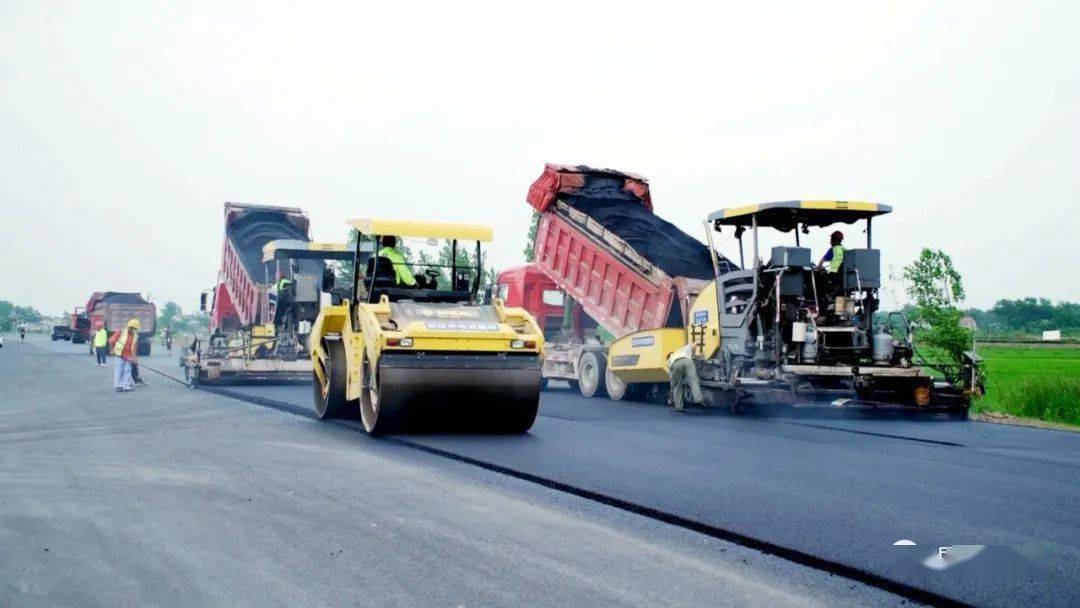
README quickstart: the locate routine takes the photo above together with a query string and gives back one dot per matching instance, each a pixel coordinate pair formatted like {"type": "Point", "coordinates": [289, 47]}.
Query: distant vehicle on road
{"type": "Point", "coordinates": [61, 332]}
{"type": "Point", "coordinates": [112, 310]}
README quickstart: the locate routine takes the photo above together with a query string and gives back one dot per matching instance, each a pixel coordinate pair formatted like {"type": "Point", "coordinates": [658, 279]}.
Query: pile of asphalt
{"type": "Point", "coordinates": [254, 229]}
{"type": "Point", "coordinates": [116, 297]}
{"type": "Point", "coordinates": [676, 253]}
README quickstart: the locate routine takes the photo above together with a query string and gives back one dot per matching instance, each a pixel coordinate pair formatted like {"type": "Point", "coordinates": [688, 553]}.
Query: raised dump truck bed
{"type": "Point", "coordinates": [241, 298]}
{"type": "Point", "coordinates": [600, 241]}
{"type": "Point", "coordinates": [629, 270]}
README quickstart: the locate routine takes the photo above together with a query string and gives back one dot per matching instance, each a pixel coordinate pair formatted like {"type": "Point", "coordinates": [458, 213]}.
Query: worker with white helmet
{"type": "Point", "coordinates": [124, 345]}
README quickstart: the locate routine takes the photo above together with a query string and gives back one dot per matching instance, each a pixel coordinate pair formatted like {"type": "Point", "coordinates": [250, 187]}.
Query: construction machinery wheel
{"type": "Point", "coordinates": [380, 416]}
{"type": "Point", "coordinates": [330, 401]}
{"type": "Point", "coordinates": [591, 370]}
{"type": "Point", "coordinates": [617, 390]}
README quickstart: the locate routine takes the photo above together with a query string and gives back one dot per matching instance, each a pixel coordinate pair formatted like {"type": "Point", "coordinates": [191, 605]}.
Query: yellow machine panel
{"type": "Point", "coordinates": [642, 356]}
{"type": "Point", "coordinates": [703, 328]}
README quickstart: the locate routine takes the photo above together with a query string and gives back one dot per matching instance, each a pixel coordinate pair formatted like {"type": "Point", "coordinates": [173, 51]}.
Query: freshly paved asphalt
{"type": "Point", "coordinates": [844, 489]}
{"type": "Point", "coordinates": [174, 497]}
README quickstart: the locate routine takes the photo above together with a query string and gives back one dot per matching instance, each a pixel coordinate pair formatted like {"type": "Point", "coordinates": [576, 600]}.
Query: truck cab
{"type": "Point", "coordinates": [528, 287]}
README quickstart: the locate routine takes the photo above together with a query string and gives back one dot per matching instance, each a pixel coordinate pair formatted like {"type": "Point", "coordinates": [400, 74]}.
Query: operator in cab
{"type": "Point", "coordinates": [282, 297]}
{"type": "Point", "coordinates": [403, 277]}
{"type": "Point", "coordinates": [835, 255]}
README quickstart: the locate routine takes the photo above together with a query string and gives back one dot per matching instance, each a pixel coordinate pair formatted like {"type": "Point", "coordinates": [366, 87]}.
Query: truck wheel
{"type": "Point", "coordinates": [617, 390]}
{"type": "Point", "coordinates": [330, 399]}
{"type": "Point", "coordinates": [591, 368]}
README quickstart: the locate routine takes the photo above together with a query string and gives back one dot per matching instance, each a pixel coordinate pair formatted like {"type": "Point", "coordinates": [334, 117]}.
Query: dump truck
{"type": "Point", "coordinates": [112, 310]}
{"type": "Point", "coordinates": [413, 347]}
{"type": "Point", "coordinates": [79, 324]}
{"type": "Point", "coordinates": [790, 332]}
{"type": "Point", "coordinates": [623, 269]}
{"type": "Point", "coordinates": [256, 334]}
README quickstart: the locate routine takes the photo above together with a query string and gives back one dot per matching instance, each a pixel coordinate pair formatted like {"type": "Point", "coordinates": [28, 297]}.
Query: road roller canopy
{"type": "Point", "coordinates": [293, 249]}
{"type": "Point", "coordinates": [788, 215]}
{"type": "Point", "coordinates": [423, 229]}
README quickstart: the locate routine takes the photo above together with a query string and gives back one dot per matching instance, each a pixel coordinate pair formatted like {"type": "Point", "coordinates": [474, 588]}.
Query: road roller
{"type": "Point", "coordinates": [413, 346]}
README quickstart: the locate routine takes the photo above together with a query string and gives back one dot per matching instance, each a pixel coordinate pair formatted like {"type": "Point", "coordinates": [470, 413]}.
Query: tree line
{"type": "Point", "coordinates": [1027, 316]}
{"type": "Point", "coordinates": [11, 315]}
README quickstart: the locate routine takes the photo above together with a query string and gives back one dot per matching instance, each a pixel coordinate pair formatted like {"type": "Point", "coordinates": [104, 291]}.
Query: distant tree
{"type": "Point", "coordinates": [534, 224]}
{"type": "Point", "coordinates": [936, 289]}
{"type": "Point", "coordinates": [167, 315]}
{"type": "Point", "coordinates": [12, 315]}
{"type": "Point", "coordinates": [466, 264]}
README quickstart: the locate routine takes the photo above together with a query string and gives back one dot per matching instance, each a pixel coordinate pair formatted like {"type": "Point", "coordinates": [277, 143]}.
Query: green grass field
{"type": "Point", "coordinates": [1033, 381]}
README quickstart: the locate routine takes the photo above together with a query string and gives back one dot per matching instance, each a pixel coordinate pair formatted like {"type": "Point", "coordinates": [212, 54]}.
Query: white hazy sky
{"type": "Point", "coordinates": [125, 125]}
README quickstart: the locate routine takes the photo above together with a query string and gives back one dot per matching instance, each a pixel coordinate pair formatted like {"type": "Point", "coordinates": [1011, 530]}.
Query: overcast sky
{"type": "Point", "coordinates": [125, 125]}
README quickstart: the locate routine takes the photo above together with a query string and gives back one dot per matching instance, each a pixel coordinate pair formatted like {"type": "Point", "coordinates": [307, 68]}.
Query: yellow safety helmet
{"type": "Point", "coordinates": [134, 324]}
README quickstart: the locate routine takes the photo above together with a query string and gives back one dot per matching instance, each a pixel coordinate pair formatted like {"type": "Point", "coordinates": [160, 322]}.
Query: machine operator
{"type": "Point", "coordinates": [835, 255]}
{"type": "Point", "coordinates": [402, 275]}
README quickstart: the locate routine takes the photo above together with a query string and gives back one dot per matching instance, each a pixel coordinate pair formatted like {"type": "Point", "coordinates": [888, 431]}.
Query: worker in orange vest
{"type": "Point", "coordinates": [124, 345]}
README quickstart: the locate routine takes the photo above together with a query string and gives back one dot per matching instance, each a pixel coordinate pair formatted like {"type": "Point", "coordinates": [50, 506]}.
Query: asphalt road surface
{"type": "Point", "coordinates": [174, 497]}
{"type": "Point", "coordinates": [842, 489]}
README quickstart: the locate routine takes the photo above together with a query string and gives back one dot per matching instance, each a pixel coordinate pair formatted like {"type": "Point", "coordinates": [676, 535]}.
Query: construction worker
{"type": "Point", "coordinates": [402, 275]}
{"type": "Point", "coordinates": [684, 377]}
{"type": "Point", "coordinates": [284, 299]}
{"type": "Point", "coordinates": [168, 339]}
{"type": "Point", "coordinates": [124, 344]}
{"type": "Point", "coordinates": [835, 255]}
{"type": "Point", "coordinates": [22, 333]}
{"type": "Point", "coordinates": [101, 343]}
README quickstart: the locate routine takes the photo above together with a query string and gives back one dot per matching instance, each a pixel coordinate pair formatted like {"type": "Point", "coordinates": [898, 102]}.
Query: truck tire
{"type": "Point", "coordinates": [618, 390]}
{"type": "Point", "coordinates": [330, 401]}
{"type": "Point", "coordinates": [591, 369]}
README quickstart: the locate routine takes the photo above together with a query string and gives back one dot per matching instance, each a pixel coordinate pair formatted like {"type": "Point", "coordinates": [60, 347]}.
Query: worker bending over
{"type": "Point", "coordinates": [683, 377]}
{"type": "Point", "coordinates": [835, 255]}
{"type": "Point", "coordinates": [124, 343]}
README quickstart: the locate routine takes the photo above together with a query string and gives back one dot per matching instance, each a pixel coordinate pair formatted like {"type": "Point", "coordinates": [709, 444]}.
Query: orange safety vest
{"type": "Point", "coordinates": [122, 344]}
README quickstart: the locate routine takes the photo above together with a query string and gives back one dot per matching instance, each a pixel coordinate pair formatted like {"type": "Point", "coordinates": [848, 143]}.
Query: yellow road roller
{"type": "Point", "coordinates": [412, 347]}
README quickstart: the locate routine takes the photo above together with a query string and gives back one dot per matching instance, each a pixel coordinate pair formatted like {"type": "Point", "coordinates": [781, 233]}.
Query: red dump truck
{"type": "Point", "coordinates": [112, 310]}
{"type": "Point", "coordinates": [624, 268]}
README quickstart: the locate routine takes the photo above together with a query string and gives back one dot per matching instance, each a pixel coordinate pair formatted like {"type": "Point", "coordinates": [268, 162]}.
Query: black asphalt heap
{"type": "Point", "coordinates": [254, 229]}
{"type": "Point", "coordinates": [676, 253]}
{"type": "Point", "coordinates": [117, 297]}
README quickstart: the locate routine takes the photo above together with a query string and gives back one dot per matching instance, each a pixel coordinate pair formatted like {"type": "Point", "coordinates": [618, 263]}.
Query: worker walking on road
{"type": "Point", "coordinates": [835, 255]}
{"type": "Point", "coordinates": [101, 343]}
{"type": "Point", "coordinates": [683, 378]}
{"type": "Point", "coordinates": [124, 344]}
